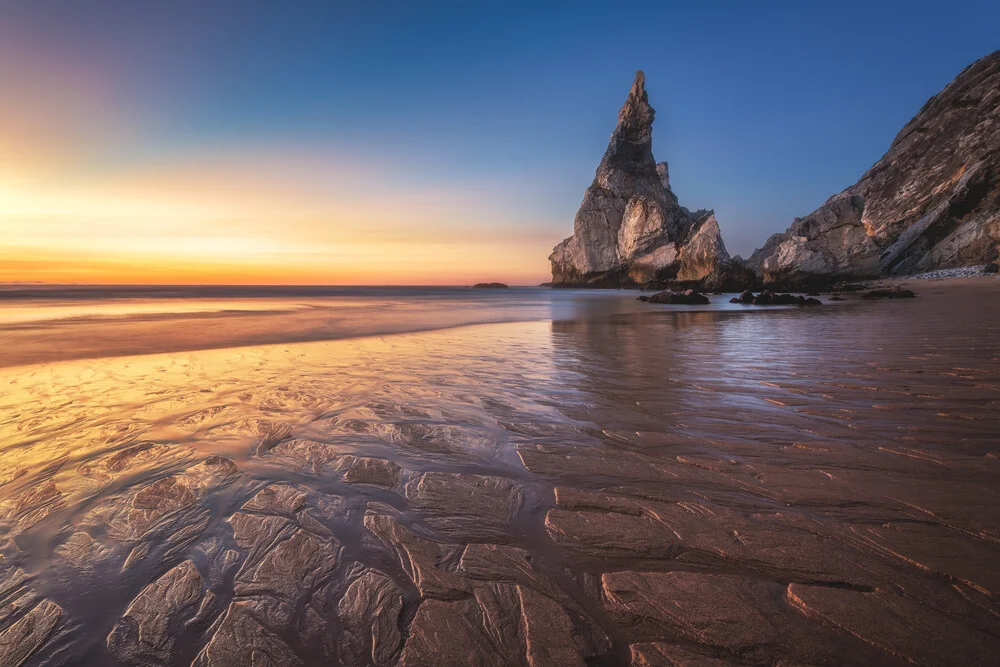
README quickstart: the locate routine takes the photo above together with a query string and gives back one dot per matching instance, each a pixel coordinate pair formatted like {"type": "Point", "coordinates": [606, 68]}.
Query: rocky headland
{"type": "Point", "coordinates": [931, 203]}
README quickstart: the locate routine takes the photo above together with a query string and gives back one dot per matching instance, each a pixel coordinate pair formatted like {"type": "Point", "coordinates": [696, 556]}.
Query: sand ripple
{"type": "Point", "coordinates": [804, 487]}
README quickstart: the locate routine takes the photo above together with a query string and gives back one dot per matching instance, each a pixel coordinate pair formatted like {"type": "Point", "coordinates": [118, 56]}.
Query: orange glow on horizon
{"type": "Point", "coordinates": [255, 219]}
{"type": "Point", "coordinates": [86, 198]}
{"type": "Point", "coordinates": [154, 270]}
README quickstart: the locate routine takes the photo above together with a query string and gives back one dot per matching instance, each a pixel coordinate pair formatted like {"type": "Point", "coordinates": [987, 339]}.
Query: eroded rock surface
{"type": "Point", "coordinates": [293, 565]}
{"type": "Point", "coordinates": [463, 506]}
{"type": "Point", "coordinates": [620, 526]}
{"type": "Point", "coordinates": [367, 470]}
{"type": "Point", "coordinates": [370, 611]}
{"type": "Point", "coordinates": [23, 637]}
{"type": "Point", "coordinates": [622, 495]}
{"type": "Point", "coordinates": [418, 557]}
{"type": "Point", "coordinates": [499, 624]}
{"type": "Point", "coordinates": [719, 610]}
{"type": "Point", "coordinates": [32, 504]}
{"type": "Point", "coordinates": [630, 228]}
{"type": "Point", "coordinates": [166, 515]}
{"type": "Point", "coordinates": [170, 500]}
{"type": "Point", "coordinates": [932, 202]}
{"type": "Point", "coordinates": [895, 624]}
{"type": "Point", "coordinates": [276, 499]}
{"type": "Point", "coordinates": [665, 654]}
{"type": "Point", "coordinates": [81, 550]}
{"type": "Point", "coordinates": [283, 588]}
{"type": "Point", "coordinates": [146, 634]}
{"type": "Point", "coordinates": [111, 466]}
{"type": "Point", "coordinates": [241, 639]}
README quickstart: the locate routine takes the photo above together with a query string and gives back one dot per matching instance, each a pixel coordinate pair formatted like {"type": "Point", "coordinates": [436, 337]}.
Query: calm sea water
{"type": "Point", "coordinates": [49, 323]}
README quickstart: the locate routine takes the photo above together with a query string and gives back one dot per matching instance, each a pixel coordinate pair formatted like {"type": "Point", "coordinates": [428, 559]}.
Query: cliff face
{"type": "Point", "coordinates": [630, 228]}
{"type": "Point", "coordinates": [932, 202]}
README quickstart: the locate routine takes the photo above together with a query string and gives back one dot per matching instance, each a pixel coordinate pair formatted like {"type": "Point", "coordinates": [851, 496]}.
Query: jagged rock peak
{"type": "Point", "coordinates": [635, 120]}
{"type": "Point", "coordinates": [630, 228]}
{"type": "Point", "coordinates": [628, 162]}
{"type": "Point", "coordinates": [663, 171]}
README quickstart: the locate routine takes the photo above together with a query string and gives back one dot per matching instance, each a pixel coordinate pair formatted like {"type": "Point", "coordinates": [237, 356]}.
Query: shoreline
{"type": "Point", "coordinates": [151, 334]}
{"type": "Point", "coordinates": [592, 466]}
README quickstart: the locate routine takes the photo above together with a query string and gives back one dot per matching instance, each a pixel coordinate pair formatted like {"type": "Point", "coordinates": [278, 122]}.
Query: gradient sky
{"type": "Point", "coordinates": [427, 142]}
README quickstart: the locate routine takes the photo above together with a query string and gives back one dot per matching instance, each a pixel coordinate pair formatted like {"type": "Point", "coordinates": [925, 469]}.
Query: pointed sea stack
{"type": "Point", "coordinates": [630, 228]}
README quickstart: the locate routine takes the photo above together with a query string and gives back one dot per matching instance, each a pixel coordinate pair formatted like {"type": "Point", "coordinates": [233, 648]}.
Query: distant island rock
{"type": "Point", "coordinates": [630, 229]}
{"type": "Point", "coordinates": [490, 286]}
{"type": "Point", "coordinates": [932, 202]}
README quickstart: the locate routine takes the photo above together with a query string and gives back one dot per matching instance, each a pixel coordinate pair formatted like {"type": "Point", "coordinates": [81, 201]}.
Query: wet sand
{"type": "Point", "coordinates": [51, 323]}
{"type": "Point", "coordinates": [629, 485]}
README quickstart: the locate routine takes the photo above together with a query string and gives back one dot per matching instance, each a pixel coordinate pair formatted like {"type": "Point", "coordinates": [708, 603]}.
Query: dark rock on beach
{"type": "Point", "coordinates": [769, 298]}
{"type": "Point", "coordinates": [895, 292]}
{"type": "Point", "coordinates": [686, 298]}
{"type": "Point", "coordinates": [850, 287]}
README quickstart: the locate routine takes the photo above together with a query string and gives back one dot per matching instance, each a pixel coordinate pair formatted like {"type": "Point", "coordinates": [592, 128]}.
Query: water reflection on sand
{"type": "Point", "coordinates": [634, 485]}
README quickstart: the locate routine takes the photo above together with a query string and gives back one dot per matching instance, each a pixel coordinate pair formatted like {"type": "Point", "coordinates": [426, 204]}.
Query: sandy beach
{"type": "Point", "coordinates": [662, 485]}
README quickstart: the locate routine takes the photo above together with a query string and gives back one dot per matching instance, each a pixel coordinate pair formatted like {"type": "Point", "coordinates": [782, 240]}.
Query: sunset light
{"type": "Point", "coordinates": [451, 333]}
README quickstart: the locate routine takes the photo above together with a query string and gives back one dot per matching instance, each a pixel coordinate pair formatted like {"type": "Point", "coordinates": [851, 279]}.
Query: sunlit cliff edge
{"type": "Point", "coordinates": [932, 202]}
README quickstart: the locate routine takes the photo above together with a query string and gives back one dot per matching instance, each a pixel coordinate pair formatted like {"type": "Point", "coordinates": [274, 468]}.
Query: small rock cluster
{"type": "Point", "coordinates": [685, 298]}
{"type": "Point", "coordinates": [769, 298]}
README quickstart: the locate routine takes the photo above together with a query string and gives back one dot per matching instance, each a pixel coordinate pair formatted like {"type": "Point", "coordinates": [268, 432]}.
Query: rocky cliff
{"type": "Point", "coordinates": [630, 228]}
{"type": "Point", "coordinates": [932, 202]}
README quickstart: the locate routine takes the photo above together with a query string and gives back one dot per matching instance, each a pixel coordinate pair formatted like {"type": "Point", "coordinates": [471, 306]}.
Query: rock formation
{"type": "Point", "coordinates": [685, 298]}
{"type": "Point", "coordinates": [769, 298]}
{"type": "Point", "coordinates": [630, 228]}
{"type": "Point", "coordinates": [932, 201]}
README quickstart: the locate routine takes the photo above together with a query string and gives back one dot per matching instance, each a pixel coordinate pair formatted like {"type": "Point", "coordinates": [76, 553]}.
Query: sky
{"type": "Point", "coordinates": [428, 142]}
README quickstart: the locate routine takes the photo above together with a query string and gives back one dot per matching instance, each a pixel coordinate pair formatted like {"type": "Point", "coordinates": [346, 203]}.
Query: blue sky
{"type": "Point", "coordinates": [487, 118]}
